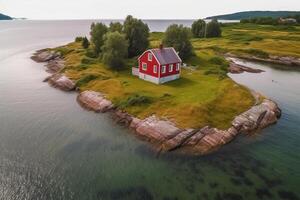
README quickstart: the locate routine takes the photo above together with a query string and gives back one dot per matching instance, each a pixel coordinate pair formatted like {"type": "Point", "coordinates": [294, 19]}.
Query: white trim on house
{"type": "Point", "coordinates": [144, 66]}
{"type": "Point", "coordinates": [155, 69]}
{"type": "Point", "coordinates": [156, 80]}
{"type": "Point", "coordinates": [171, 67]}
{"type": "Point", "coordinates": [150, 55]}
{"type": "Point", "coordinates": [163, 69]}
{"type": "Point", "coordinates": [178, 67]}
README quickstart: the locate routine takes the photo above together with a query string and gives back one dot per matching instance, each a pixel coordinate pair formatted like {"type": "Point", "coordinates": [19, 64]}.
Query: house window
{"type": "Point", "coordinates": [163, 69]}
{"type": "Point", "coordinates": [178, 66]}
{"type": "Point", "coordinates": [154, 69]}
{"type": "Point", "coordinates": [149, 57]}
{"type": "Point", "coordinates": [171, 68]}
{"type": "Point", "coordinates": [144, 66]}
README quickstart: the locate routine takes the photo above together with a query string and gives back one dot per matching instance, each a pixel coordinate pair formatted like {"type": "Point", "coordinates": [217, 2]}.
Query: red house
{"type": "Point", "coordinates": [158, 65]}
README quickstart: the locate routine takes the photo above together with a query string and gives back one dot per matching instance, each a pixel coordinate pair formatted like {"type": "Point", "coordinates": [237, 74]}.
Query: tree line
{"type": "Point", "coordinates": [272, 21]}
{"type": "Point", "coordinates": [117, 42]}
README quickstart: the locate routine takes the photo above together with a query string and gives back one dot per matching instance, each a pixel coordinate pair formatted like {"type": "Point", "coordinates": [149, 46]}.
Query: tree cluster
{"type": "Point", "coordinates": [272, 21]}
{"type": "Point", "coordinates": [119, 41]}
{"type": "Point", "coordinates": [178, 36]}
{"type": "Point", "coordinates": [201, 29]}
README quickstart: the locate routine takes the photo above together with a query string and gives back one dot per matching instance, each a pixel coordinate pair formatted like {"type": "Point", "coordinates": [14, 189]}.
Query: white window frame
{"type": "Point", "coordinates": [163, 69]}
{"type": "Point", "coordinates": [155, 69]}
{"type": "Point", "coordinates": [150, 56]}
{"type": "Point", "coordinates": [178, 66]}
{"type": "Point", "coordinates": [171, 67]}
{"type": "Point", "coordinates": [144, 66]}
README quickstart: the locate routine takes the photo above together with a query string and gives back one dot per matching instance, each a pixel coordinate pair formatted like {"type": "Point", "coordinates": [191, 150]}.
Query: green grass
{"type": "Point", "coordinates": [204, 95]}
{"type": "Point", "coordinates": [252, 39]}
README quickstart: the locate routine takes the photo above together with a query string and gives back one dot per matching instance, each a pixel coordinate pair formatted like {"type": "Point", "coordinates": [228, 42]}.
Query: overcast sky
{"type": "Point", "coordinates": [154, 9]}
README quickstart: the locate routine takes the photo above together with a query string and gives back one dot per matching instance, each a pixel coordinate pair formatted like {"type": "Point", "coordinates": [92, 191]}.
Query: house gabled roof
{"type": "Point", "coordinates": [165, 55]}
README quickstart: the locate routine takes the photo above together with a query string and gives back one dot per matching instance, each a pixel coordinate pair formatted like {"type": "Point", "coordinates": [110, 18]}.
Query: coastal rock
{"type": "Point", "coordinates": [235, 68]}
{"type": "Point", "coordinates": [55, 65]}
{"type": "Point", "coordinates": [257, 117]}
{"type": "Point", "coordinates": [155, 130]}
{"type": "Point", "coordinates": [122, 117]}
{"type": "Point", "coordinates": [61, 81]}
{"type": "Point", "coordinates": [45, 55]}
{"type": "Point", "coordinates": [94, 101]}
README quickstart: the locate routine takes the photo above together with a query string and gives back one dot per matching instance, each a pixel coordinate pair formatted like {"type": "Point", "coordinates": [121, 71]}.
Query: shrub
{"type": "Point", "coordinates": [85, 79]}
{"type": "Point", "coordinates": [198, 28]}
{"type": "Point", "coordinates": [88, 61]}
{"type": "Point", "coordinates": [85, 43]}
{"type": "Point", "coordinates": [137, 34]}
{"type": "Point", "coordinates": [91, 54]}
{"type": "Point", "coordinates": [78, 39]}
{"type": "Point", "coordinates": [135, 100]}
{"type": "Point", "coordinates": [257, 52]}
{"type": "Point", "coordinates": [114, 50]}
{"type": "Point", "coordinates": [97, 33]}
{"type": "Point", "coordinates": [115, 26]}
{"type": "Point", "coordinates": [217, 60]}
{"type": "Point", "coordinates": [178, 37]}
{"type": "Point", "coordinates": [213, 29]}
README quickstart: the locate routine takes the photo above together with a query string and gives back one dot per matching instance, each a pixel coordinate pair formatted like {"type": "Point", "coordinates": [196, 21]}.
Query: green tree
{"type": "Point", "coordinates": [97, 33]}
{"type": "Point", "coordinates": [115, 49]}
{"type": "Point", "coordinates": [178, 37]}
{"type": "Point", "coordinates": [198, 28]}
{"type": "Point", "coordinates": [213, 29]}
{"type": "Point", "coordinates": [115, 26]}
{"type": "Point", "coordinates": [85, 43]}
{"type": "Point", "coordinates": [137, 34]}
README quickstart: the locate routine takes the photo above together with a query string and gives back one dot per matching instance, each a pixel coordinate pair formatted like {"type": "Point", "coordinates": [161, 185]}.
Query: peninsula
{"type": "Point", "coordinates": [197, 113]}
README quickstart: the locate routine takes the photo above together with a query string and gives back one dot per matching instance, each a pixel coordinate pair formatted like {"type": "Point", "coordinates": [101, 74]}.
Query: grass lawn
{"type": "Point", "coordinates": [258, 40]}
{"type": "Point", "coordinates": [204, 95]}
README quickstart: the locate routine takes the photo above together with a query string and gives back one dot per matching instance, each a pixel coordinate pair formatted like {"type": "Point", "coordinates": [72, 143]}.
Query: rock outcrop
{"type": "Point", "coordinates": [94, 101]}
{"type": "Point", "coordinates": [282, 60]}
{"type": "Point", "coordinates": [167, 137]}
{"type": "Point", "coordinates": [45, 55]}
{"type": "Point", "coordinates": [235, 68]}
{"type": "Point", "coordinates": [61, 81]}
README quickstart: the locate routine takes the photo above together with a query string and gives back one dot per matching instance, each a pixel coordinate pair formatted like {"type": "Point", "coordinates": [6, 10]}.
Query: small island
{"type": "Point", "coordinates": [196, 113]}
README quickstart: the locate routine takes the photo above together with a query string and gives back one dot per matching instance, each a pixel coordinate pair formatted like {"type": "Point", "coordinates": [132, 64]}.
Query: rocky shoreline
{"type": "Point", "coordinates": [282, 60]}
{"type": "Point", "coordinates": [164, 135]}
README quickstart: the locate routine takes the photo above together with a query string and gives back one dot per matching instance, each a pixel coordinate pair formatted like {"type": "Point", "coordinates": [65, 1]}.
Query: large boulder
{"type": "Point", "coordinates": [155, 130]}
{"type": "Point", "coordinates": [55, 65]}
{"type": "Point", "coordinates": [61, 81]}
{"type": "Point", "coordinates": [94, 101]}
{"type": "Point", "coordinates": [257, 117]}
{"type": "Point", "coordinates": [45, 55]}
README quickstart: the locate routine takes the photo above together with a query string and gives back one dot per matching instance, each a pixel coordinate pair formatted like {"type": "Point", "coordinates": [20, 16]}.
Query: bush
{"type": "Point", "coordinates": [257, 52]}
{"type": "Point", "coordinates": [78, 39]}
{"type": "Point", "coordinates": [217, 60]}
{"type": "Point", "coordinates": [91, 54]}
{"type": "Point", "coordinates": [213, 29]}
{"type": "Point", "coordinates": [115, 49]}
{"type": "Point", "coordinates": [198, 28]}
{"type": "Point", "coordinates": [135, 100]}
{"type": "Point", "coordinates": [88, 61]}
{"type": "Point", "coordinates": [178, 37]}
{"type": "Point", "coordinates": [115, 26]}
{"type": "Point", "coordinates": [137, 34]}
{"type": "Point", "coordinates": [85, 43]}
{"type": "Point", "coordinates": [97, 33]}
{"type": "Point", "coordinates": [85, 79]}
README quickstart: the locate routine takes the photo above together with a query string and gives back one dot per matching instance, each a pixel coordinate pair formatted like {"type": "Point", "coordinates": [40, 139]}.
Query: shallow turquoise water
{"type": "Point", "coordinates": [50, 148]}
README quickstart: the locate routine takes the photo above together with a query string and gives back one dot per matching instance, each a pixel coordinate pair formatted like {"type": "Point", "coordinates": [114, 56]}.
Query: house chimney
{"type": "Point", "coordinates": [161, 46]}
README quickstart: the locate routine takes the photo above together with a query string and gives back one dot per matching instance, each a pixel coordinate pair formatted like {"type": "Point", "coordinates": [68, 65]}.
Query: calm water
{"type": "Point", "coordinates": [50, 148]}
